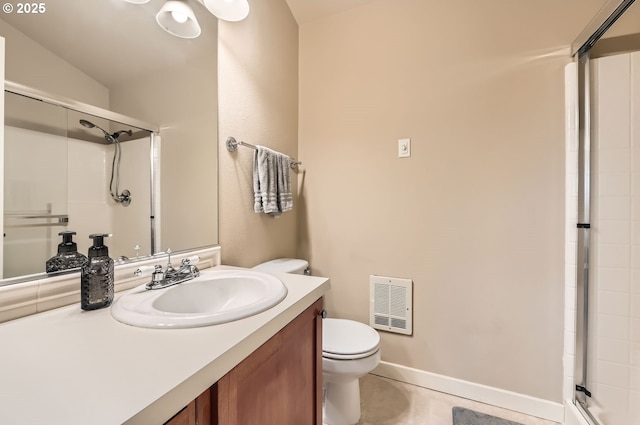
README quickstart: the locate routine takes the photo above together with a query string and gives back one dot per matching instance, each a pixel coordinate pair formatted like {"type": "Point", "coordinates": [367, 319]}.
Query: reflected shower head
{"type": "Point", "coordinates": [87, 124]}
{"type": "Point", "coordinates": [111, 138]}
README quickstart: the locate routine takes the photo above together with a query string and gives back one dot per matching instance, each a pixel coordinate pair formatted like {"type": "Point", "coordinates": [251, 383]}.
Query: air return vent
{"type": "Point", "coordinates": [391, 304]}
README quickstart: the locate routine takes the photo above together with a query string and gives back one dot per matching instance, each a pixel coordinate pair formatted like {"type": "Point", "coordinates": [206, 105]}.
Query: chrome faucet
{"type": "Point", "coordinates": [171, 276]}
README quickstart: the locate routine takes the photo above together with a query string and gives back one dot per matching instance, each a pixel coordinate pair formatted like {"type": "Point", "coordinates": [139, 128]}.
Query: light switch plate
{"type": "Point", "coordinates": [404, 148]}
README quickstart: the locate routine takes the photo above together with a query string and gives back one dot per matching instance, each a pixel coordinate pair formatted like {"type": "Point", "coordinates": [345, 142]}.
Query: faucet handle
{"type": "Point", "coordinates": [194, 259]}
{"type": "Point", "coordinates": [144, 270]}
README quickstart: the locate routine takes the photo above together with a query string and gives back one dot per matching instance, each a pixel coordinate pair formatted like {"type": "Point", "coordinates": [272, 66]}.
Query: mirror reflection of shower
{"type": "Point", "coordinates": [125, 197]}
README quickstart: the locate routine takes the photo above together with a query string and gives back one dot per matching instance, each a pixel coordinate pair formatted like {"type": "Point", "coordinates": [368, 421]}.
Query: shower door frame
{"type": "Point", "coordinates": [581, 47]}
{"type": "Point", "coordinates": [154, 151]}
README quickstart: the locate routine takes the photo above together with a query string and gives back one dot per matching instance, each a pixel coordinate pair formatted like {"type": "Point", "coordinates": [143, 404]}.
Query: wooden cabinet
{"type": "Point", "coordinates": [280, 383]}
{"type": "Point", "coordinates": [198, 412]}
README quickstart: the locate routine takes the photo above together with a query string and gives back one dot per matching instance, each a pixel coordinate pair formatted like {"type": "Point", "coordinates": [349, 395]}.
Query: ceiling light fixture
{"type": "Point", "coordinates": [137, 1]}
{"type": "Point", "coordinates": [228, 10]}
{"type": "Point", "coordinates": [177, 18]}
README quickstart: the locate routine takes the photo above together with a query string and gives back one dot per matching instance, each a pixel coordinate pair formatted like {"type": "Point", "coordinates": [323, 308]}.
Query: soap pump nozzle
{"type": "Point", "coordinates": [98, 249]}
{"type": "Point", "coordinates": [67, 244]}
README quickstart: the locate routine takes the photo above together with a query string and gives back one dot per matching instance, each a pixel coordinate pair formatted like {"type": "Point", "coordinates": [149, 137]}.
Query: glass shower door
{"type": "Point", "coordinates": [35, 186]}
{"type": "Point", "coordinates": [613, 350]}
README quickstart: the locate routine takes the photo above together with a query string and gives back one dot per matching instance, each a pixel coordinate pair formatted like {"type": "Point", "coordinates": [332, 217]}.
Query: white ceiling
{"type": "Point", "coordinates": [309, 10]}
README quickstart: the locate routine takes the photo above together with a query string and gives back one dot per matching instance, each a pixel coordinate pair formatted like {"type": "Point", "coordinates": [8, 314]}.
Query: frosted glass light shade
{"type": "Point", "coordinates": [228, 10]}
{"type": "Point", "coordinates": [137, 1]}
{"type": "Point", "coordinates": [177, 18]}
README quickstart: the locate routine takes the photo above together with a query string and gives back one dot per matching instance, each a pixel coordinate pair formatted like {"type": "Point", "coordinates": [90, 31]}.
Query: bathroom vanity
{"type": "Point", "coordinates": [279, 383]}
{"type": "Point", "coordinates": [68, 366]}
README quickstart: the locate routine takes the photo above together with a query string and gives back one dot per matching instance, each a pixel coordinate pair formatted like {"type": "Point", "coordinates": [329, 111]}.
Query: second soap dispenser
{"type": "Point", "coordinates": [68, 256]}
{"type": "Point", "coordinates": [96, 285]}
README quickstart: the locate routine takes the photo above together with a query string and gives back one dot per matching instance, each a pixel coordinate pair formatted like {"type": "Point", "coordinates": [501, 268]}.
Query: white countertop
{"type": "Point", "coordinates": [68, 366]}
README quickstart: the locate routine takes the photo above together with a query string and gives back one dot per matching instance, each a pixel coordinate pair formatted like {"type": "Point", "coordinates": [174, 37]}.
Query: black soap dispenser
{"type": "Point", "coordinates": [68, 256]}
{"type": "Point", "coordinates": [96, 283]}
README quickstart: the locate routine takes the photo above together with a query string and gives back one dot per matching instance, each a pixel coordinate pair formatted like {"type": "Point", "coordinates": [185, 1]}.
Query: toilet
{"type": "Point", "coordinates": [350, 350]}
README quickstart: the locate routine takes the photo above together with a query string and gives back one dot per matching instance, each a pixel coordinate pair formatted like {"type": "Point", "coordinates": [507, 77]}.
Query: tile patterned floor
{"type": "Point", "coordinates": [388, 402]}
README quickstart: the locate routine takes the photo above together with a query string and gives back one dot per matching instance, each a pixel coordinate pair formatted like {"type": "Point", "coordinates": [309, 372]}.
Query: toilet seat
{"type": "Point", "coordinates": [344, 339]}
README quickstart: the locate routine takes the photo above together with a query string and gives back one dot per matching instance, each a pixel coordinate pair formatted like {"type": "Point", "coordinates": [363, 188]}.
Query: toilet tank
{"type": "Point", "coordinates": [283, 265]}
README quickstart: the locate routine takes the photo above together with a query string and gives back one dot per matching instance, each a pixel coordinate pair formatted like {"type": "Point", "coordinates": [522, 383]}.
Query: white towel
{"type": "Point", "coordinates": [271, 182]}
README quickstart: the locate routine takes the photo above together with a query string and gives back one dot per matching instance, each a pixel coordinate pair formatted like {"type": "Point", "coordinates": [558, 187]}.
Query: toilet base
{"type": "Point", "coordinates": [341, 403]}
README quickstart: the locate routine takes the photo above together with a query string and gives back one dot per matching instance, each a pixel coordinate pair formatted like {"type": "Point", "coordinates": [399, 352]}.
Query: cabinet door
{"type": "Point", "coordinates": [281, 382]}
{"type": "Point", "coordinates": [198, 412]}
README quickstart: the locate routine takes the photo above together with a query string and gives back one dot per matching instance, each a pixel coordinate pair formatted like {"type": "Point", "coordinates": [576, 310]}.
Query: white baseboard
{"type": "Point", "coordinates": [522, 403]}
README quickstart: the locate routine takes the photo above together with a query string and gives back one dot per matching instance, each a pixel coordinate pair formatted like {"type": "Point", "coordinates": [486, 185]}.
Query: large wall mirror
{"type": "Point", "coordinates": [110, 54]}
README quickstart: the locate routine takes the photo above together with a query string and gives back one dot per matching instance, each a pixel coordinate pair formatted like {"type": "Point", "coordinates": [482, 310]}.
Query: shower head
{"type": "Point", "coordinates": [87, 124]}
{"type": "Point", "coordinates": [111, 138]}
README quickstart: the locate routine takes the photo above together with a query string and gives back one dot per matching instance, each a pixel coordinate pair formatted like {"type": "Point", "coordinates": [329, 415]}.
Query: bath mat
{"type": "Point", "coordinates": [462, 416]}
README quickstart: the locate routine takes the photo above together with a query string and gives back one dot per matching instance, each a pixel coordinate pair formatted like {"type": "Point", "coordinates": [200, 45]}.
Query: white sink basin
{"type": "Point", "coordinates": [217, 296]}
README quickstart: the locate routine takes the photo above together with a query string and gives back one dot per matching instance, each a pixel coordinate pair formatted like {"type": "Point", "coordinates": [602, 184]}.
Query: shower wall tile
{"type": "Point", "coordinates": [570, 322]}
{"type": "Point", "coordinates": [615, 160]}
{"type": "Point", "coordinates": [613, 326]}
{"type": "Point", "coordinates": [613, 231]}
{"type": "Point", "coordinates": [614, 279]}
{"type": "Point", "coordinates": [634, 302]}
{"type": "Point", "coordinates": [635, 354]}
{"type": "Point", "coordinates": [635, 257]}
{"type": "Point", "coordinates": [613, 255]}
{"type": "Point", "coordinates": [613, 350]}
{"type": "Point", "coordinates": [634, 332]}
{"type": "Point", "coordinates": [616, 303]}
{"type": "Point", "coordinates": [616, 401]}
{"type": "Point", "coordinates": [634, 378]}
{"type": "Point", "coordinates": [87, 172]}
{"type": "Point", "coordinates": [613, 375]}
{"type": "Point", "coordinates": [635, 281]}
{"type": "Point", "coordinates": [635, 232]}
{"type": "Point", "coordinates": [614, 184]}
{"type": "Point", "coordinates": [635, 177]}
{"type": "Point", "coordinates": [614, 208]}
{"type": "Point", "coordinates": [635, 207]}
{"type": "Point", "coordinates": [570, 257]}
{"type": "Point", "coordinates": [571, 218]}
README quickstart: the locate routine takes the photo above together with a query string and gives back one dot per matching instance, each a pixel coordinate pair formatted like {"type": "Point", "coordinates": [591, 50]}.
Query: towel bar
{"type": "Point", "coordinates": [232, 146]}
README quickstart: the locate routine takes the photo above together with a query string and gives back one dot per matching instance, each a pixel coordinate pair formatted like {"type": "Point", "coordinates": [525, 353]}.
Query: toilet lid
{"type": "Point", "coordinates": [285, 265]}
{"type": "Point", "coordinates": [348, 339]}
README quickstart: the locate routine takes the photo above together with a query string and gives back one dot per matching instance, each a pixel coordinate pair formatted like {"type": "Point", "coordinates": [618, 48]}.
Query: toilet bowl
{"type": "Point", "coordinates": [350, 350]}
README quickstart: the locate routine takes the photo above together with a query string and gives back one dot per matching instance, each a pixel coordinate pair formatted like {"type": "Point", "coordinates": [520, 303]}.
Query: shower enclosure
{"type": "Point", "coordinates": [607, 322]}
{"type": "Point", "coordinates": [61, 174]}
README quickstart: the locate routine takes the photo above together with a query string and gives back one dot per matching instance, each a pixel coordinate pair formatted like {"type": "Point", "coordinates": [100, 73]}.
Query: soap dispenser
{"type": "Point", "coordinates": [96, 282]}
{"type": "Point", "coordinates": [68, 256]}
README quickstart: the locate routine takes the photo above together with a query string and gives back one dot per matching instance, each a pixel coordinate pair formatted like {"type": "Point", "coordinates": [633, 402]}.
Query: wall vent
{"type": "Point", "coordinates": [391, 304]}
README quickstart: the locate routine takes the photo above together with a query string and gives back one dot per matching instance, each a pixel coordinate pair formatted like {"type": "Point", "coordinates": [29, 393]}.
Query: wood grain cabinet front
{"type": "Point", "coordinates": [278, 384]}
{"type": "Point", "coordinates": [198, 412]}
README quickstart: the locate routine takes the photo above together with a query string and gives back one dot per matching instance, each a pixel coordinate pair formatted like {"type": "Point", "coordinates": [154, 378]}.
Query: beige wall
{"type": "Point", "coordinates": [475, 217]}
{"type": "Point", "coordinates": [183, 101]}
{"type": "Point", "coordinates": [258, 103]}
{"type": "Point", "coordinates": [28, 63]}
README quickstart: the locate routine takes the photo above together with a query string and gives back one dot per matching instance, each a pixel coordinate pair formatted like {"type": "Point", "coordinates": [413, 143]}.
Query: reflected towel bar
{"type": "Point", "coordinates": [232, 146]}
